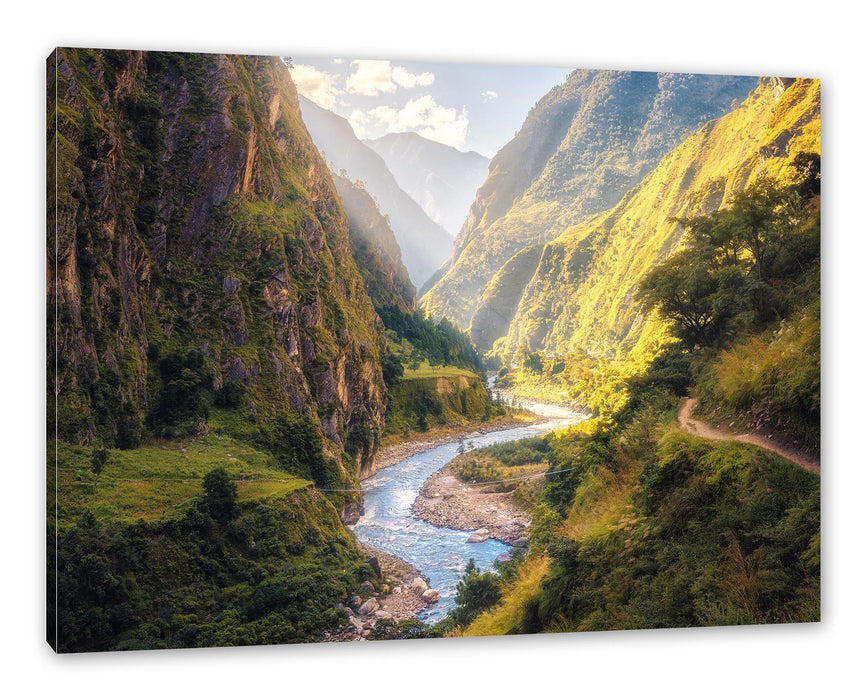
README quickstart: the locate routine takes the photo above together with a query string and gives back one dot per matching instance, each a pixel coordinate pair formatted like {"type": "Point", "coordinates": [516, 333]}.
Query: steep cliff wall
{"type": "Point", "coordinates": [585, 144]}
{"type": "Point", "coordinates": [581, 294]}
{"type": "Point", "coordinates": [375, 249]}
{"type": "Point", "coordinates": [190, 211]}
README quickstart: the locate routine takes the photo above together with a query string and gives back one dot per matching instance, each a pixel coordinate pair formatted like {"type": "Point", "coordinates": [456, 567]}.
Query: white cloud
{"type": "Point", "coordinates": [372, 78]}
{"type": "Point", "coordinates": [488, 95]}
{"type": "Point", "coordinates": [318, 86]}
{"type": "Point", "coordinates": [405, 79]}
{"type": "Point", "coordinates": [424, 116]}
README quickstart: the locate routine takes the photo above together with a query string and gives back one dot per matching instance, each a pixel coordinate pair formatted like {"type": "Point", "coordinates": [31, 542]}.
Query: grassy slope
{"type": "Point", "coordinates": [668, 530]}
{"type": "Point", "coordinates": [441, 397]}
{"type": "Point", "coordinates": [769, 382]}
{"type": "Point", "coordinates": [157, 480]}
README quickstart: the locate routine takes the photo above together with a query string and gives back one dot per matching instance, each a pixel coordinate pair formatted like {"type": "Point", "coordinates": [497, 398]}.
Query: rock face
{"type": "Point", "coordinates": [584, 145]}
{"type": "Point", "coordinates": [190, 210]}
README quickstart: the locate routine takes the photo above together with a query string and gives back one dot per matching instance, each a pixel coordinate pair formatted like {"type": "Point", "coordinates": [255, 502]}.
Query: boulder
{"type": "Point", "coordinates": [431, 595]}
{"type": "Point", "coordinates": [480, 535]}
{"type": "Point", "coordinates": [419, 584]}
{"type": "Point", "coordinates": [371, 606]}
{"type": "Point", "coordinates": [355, 601]}
{"type": "Point", "coordinates": [505, 556]}
{"type": "Point", "coordinates": [367, 587]}
{"type": "Point", "coordinates": [382, 615]}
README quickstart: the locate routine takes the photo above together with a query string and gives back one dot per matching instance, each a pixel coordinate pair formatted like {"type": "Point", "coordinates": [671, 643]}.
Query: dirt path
{"type": "Point", "coordinates": [704, 430]}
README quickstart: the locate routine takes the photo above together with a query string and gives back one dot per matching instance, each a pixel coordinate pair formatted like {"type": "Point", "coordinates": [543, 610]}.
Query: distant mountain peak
{"type": "Point", "coordinates": [424, 243]}
{"type": "Point", "coordinates": [441, 178]}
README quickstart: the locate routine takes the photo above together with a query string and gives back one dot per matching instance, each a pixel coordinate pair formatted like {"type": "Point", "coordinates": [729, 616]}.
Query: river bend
{"type": "Point", "coordinates": [439, 553]}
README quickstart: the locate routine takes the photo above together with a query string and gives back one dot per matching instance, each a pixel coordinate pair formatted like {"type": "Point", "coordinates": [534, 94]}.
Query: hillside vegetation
{"type": "Point", "coordinates": [582, 294]}
{"type": "Point", "coordinates": [583, 146]}
{"type": "Point", "coordinates": [233, 335]}
{"type": "Point", "coordinates": [641, 524]}
{"type": "Point", "coordinates": [210, 556]}
{"type": "Point", "coordinates": [220, 371]}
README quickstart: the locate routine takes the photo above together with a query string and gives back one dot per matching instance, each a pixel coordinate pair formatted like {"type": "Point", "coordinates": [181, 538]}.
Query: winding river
{"type": "Point", "coordinates": [440, 553]}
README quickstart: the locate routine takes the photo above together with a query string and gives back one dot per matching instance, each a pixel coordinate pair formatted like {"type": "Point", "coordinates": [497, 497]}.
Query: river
{"type": "Point", "coordinates": [439, 553]}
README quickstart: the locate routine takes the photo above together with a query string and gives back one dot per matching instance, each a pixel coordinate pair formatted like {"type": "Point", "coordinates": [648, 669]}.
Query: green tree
{"type": "Point", "coordinates": [476, 592]}
{"type": "Point", "coordinates": [738, 267]}
{"type": "Point", "coordinates": [682, 290]}
{"type": "Point", "coordinates": [221, 493]}
{"type": "Point", "coordinates": [392, 370]}
{"type": "Point", "coordinates": [97, 463]}
{"type": "Point", "coordinates": [185, 396]}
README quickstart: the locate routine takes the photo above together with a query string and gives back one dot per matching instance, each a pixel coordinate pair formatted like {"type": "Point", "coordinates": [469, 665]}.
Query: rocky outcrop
{"type": "Point", "coordinates": [190, 210]}
{"type": "Point", "coordinates": [402, 595]}
{"type": "Point", "coordinates": [482, 534]}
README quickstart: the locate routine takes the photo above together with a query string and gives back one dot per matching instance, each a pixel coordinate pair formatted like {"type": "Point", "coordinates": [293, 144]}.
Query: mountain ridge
{"type": "Point", "coordinates": [442, 179]}
{"type": "Point", "coordinates": [424, 243]}
{"type": "Point", "coordinates": [581, 148]}
{"type": "Point", "coordinates": [582, 284]}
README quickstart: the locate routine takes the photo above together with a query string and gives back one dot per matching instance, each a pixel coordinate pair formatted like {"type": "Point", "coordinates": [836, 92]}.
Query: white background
{"type": "Point", "coordinates": [795, 39]}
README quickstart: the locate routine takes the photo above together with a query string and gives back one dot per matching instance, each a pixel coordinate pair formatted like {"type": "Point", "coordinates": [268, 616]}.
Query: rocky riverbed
{"type": "Point", "coordinates": [403, 594]}
{"type": "Point", "coordinates": [446, 501]}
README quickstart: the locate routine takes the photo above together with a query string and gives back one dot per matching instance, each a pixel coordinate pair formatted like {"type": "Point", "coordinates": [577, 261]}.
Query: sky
{"type": "Point", "coordinates": [469, 107]}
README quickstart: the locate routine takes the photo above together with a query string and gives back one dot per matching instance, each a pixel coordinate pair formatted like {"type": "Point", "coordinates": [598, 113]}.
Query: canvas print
{"type": "Point", "coordinates": [349, 350]}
